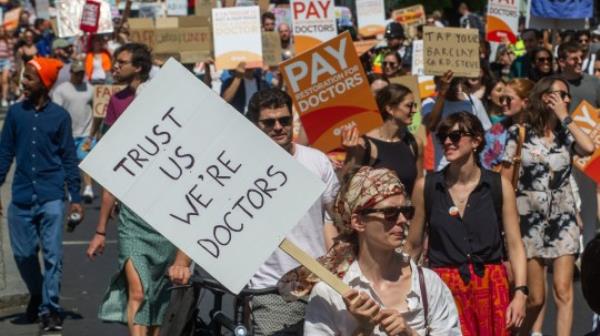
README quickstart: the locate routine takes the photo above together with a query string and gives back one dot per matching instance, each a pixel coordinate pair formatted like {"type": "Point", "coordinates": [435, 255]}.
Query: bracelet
{"type": "Point", "coordinates": [101, 233]}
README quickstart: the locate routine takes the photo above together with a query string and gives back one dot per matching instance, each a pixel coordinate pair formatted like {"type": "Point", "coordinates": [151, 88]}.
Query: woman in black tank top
{"type": "Point", "coordinates": [391, 145]}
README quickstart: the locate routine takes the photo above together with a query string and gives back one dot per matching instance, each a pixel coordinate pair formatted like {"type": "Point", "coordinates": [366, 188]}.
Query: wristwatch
{"type": "Point", "coordinates": [565, 122]}
{"type": "Point", "coordinates": [523, 289]}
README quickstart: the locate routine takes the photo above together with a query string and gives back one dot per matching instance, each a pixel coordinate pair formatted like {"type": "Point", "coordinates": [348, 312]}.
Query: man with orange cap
{"type": "Point", "coordinates": [37, 133]}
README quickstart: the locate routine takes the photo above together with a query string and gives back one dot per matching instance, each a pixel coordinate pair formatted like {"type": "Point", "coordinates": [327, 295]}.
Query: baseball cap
{"type": "Point", "coordinates": [60, 43]}
{"type": "Point", "coordinates": [77, 66]}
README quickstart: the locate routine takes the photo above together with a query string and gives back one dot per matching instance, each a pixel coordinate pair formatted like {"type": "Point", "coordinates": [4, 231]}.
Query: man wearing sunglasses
{"type": "Point", "coordinates": [271, 111]}
{"type": "Point", "coordinates": [581, 85]}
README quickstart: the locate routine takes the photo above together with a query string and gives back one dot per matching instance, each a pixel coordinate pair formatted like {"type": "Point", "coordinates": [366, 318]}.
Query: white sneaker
{"type": "Point", "coordinates": [88, 194]}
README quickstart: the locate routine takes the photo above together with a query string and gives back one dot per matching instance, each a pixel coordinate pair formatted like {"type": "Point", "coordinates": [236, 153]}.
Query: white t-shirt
{"type": "Point", "coordinates": [308, 233]}
{"type": "Point", "coordinates": [473, 105]}
{"type": "Point", "coordinates": [97, 70]}
{"type": "Point", "coordinates": [77, 100]}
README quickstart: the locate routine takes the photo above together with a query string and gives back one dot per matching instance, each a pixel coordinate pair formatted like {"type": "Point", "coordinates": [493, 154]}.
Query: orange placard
{"type": "Point", "coordinates": [588, 119]}
{"type": "Point", "coordinates": [330, 91]}
{"type": "Point", "coordinates": [364, 46]}
{"type": "Point", "coordinates": [410, 16]}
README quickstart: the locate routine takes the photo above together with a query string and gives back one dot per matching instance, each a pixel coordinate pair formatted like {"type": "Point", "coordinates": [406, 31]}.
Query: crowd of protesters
{"type": "Point", "coordinates": [447, 228]}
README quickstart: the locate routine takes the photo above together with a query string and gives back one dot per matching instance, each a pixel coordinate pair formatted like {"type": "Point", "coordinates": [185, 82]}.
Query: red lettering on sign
{"type": "Point", "coordinates": [324, 6]}
{"type": "Point", "coordinates": [298, 8]}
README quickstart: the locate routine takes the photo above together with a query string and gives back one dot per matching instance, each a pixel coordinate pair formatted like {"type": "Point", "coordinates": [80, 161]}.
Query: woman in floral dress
{"type": "Point", "coordinates": [545, 199]}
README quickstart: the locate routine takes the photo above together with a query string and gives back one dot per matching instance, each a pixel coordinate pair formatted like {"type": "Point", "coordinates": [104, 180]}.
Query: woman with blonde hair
{"type": "Point", "coordinates": [514, 100]}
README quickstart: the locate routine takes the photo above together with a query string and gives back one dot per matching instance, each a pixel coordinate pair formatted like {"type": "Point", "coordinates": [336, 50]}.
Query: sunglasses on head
{"type": "Point", "coordinates": [563, 94]}
{"type": "Point", "coordinates": [507, 99]}
{"type": "Point", "coordinates": [391, 213]}
{"type": "Point", "coordinates": [454, 136]}
{"type": "Point", "coordinates": [543, 59]}
{"type": "Point", "coordinates": [270, 122]}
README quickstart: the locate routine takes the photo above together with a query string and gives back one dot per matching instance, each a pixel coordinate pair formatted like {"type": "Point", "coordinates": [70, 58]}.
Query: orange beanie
{"type": "Point", "coordinates": [47, 69]}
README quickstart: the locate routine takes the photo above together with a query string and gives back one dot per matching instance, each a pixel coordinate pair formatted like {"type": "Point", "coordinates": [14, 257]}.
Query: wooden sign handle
{"type": "Point", "coordinates": [319, 270]}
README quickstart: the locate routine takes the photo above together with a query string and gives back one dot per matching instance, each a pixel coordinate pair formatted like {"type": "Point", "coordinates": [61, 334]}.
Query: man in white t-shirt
{"type": "Point", "coordinates": [450, 99]}
{"type": "Point", "coordinates": [76, 97]}
{"type": "Point", "coordinates": [271, 111]}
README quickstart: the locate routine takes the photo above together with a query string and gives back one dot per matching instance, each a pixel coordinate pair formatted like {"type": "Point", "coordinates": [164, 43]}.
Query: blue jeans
{"type": "Point", "coordinates": [31, 226]}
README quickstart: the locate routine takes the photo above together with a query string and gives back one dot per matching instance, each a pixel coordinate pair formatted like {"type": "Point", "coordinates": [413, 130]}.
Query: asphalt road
{"type": "Point", "coordinates": [84, 283]}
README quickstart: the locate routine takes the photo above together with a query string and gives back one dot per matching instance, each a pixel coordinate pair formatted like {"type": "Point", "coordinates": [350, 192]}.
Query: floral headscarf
{"type": "Point", "coordinates": [362, 190]}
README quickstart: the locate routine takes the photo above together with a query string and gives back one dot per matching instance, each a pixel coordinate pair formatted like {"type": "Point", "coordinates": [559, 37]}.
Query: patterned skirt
{"type": "Point", "coordinates": [482, 303]}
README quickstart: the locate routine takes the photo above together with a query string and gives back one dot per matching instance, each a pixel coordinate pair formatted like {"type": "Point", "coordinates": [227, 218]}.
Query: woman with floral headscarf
{"type": "Point", "coordinates": [389, 295]}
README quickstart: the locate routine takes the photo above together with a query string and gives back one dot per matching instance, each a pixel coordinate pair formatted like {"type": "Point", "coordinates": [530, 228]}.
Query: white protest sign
{"type": "Point", "coordinates": [371, 17]}
{"type": "Point", "coordinates": [177, 7]}
{"type": "Point", "coordinates": [417, 67]}
{"type": "Point", "coordinates": [237, 37]}
{"type": "Point", "coordinates": [313, 22]}
{"type": "Point", "coordinates": [203, 176]}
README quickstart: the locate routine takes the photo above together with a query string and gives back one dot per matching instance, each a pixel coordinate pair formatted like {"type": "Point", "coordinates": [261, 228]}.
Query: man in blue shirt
{"type": "Point", "coordinates": [37, 133]}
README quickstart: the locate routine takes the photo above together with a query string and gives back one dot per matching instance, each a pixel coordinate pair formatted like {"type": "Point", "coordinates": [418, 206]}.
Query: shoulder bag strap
{"type": "Point", "coordinates": [424, 298]}
{"type": "Point", "coordinates": [517, 158]}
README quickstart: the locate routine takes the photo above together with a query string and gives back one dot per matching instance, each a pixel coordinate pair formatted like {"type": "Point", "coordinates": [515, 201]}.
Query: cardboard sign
{"type": "Point", "coordinates": [140, 23]}
{"type": "Point", "coordinates": [410, 16]}
{"type": "Point", "coordinates": [203, 8]}
{"type": "Point", "coordinates": [102, 95]}
{"type": "Point", "coordinates": [228, 203]}
{"type": "Point", "coordinates": [11, 19]}
{"type": "Point", "coordinates": [313, 22]}
{"type": "Point", "coordinates": [237, 37]}
{"type": "Point", "coordinates": [182, 39]}
{"type": "Point", "coordinates": [455, 49]}
{"type": "Point", "coordinates": [68, 18]}
{"type": "Point", "coordinates": [271, 44]}
{"type": "Point", "coordinates": [371, 17]}
{"type": "Point", "coordinates": [364, 46]}
{"type": "Point", "coordinates": [177, 7]}
{"type": "Point", "coordinates": [588, 119]}
{"type": "Point", "coordinates": [330, 91]}
{"type": "Point", "coordinates": [264, 5]}
{"type": "Point", "coordinates": [145, 36]}
{"type": "Point", "coordinates": [502, 21]}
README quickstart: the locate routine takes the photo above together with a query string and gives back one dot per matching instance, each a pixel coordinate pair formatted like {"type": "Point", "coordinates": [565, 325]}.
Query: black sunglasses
{"type": "Point", "coordinates": [391, 213]}
{"type": "Point", "coordinates": [270, 122]}
{"type": "Point", "coordinates": [392, 64]}
{"type": "Point", "coordinates": [454, 136]}
{"type": "Point", "coordinates": [507, 99]}
{"type": "Point", "coordinates": [563, 94]}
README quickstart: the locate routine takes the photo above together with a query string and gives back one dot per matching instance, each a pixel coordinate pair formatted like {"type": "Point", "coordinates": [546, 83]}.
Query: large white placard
{"type": "Point", "coordinates": [203, 176]}
{"type": "Point", "coordinates": [237, 37]}
{"type": "Point", "coordinates": [371, 17]}
{"type": "Point", "coordinates": [313, 23]}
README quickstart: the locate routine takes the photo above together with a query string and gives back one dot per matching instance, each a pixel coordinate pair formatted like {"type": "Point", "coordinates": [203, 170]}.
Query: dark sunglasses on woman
{"type": "Point", "coordinates": [454, 136]}
{"type": "Point", "coordinates": [391, 213]}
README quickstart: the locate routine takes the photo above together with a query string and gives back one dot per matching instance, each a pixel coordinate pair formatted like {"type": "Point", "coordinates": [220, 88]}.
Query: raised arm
{"type": "Point", "coordinates": [416, 233]}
